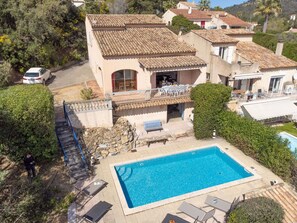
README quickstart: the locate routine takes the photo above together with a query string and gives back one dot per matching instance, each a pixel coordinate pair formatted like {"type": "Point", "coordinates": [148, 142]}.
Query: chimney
{"type": "Point", "coordinates": [190, 10]}
{"type": "Point", "coordinates": [279, 46]}
{"type": "Point", "coordinates": [179, 37]}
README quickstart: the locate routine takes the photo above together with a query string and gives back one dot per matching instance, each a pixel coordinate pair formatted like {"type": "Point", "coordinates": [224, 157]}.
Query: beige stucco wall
{"type": "Point", "coordinates": [138, 116]}
{"type": "Point", "coordinates": [188, 110]}
{"type": "Point", "coordinates": [91, 119]}
{"type": "Point", "coordinates": [167, 17]}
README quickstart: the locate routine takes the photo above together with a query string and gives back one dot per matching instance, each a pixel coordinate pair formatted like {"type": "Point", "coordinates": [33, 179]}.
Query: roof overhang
{"type": "Point", "coordinates": [247, 76]}
{"type": "Point", "coordinates": [269, 109]}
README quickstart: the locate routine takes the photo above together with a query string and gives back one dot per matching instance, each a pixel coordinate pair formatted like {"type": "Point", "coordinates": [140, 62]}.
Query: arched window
{"type": "Point", "coordinates": [124, 80]}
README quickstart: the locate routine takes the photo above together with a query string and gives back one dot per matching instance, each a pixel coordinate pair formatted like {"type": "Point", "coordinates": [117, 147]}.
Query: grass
{"type": "Point", "coordinates": [288, 127]}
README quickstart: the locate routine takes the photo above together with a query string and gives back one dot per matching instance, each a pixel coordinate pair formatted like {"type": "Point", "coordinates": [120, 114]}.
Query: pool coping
{"type": "Point", "coordinates": [129, 211]}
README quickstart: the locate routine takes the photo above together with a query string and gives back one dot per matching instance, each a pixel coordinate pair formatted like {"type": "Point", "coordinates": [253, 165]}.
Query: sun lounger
{"type": "Point", "coordinates": [97, 211]}
{"type": "Point", "coordinates": [173, 218]}
{"type": "Point", "coordinates": [196, 213]}
{"type": "Point", "coordinates": [89, 191]}
{"type": "Point", "coordinates": [220, 204]}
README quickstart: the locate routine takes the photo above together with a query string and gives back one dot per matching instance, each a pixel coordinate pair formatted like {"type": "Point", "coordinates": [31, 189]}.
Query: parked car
{"type": "Point", "coordinates": [36, 75]}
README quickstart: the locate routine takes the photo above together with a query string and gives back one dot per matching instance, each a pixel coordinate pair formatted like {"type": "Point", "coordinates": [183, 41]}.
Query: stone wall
{"type": "Point", "coordinates": [102, 142]}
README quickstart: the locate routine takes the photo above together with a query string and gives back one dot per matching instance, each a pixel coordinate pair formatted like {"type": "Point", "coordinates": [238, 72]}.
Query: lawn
{"type": "Point", "coordinates": [288, 127]}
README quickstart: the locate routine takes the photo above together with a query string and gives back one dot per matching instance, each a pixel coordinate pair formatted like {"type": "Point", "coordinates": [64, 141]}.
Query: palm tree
{"type": "Point", "coordinates": [204, 5]}
{"type": "Point", "coordinates": [267, 8]}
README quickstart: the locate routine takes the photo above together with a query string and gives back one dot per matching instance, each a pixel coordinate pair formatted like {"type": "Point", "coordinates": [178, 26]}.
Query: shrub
{"type": "Point", "coordinates": [5, 74]}
{"type": "Point", "coordinates": [180, 22]}
{"type": "Point", "coordinates": [209, 101]}
{"type": "Point", "coordinates": [27, 122]}
{"type": "Point", "coordinates": [294, 173]}
{"type": "Point", "coordinates": [258, 141]}
{"type": "Point", "coordinates": [257, 210]}
{"type": "Point", "coordinates": [86, 93]}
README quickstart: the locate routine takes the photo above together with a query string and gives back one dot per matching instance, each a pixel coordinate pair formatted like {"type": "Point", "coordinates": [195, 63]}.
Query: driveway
{"type": "Point", "coordinates": [73, 75]}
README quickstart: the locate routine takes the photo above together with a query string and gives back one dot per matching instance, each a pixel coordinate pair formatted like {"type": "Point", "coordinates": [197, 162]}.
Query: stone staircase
{"type": "Point", "coordinates": [78, 169]}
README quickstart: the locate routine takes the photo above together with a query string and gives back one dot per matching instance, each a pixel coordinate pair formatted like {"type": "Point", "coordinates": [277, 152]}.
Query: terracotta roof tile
{"type": "Point", "coordinates": [140, 41]}
{"type": "Point", "coordinates": [151, 103]}
{"type": "Point", "coordinates": [119, 20]}
{"type": "Point", "coordinates": [196, 14]}
{"type": "Point", "coordinates": [215, 36]}
{"type": "Point", "coordinates": [234, 21]}
{"type": "Point", "coordinates": [171, 62]}
{"type": "Point", "coordinates": [264, 57]}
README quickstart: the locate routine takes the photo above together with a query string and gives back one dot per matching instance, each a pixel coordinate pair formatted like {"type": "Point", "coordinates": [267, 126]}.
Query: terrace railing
{"type": "Point", "coordinates": [154, 93]}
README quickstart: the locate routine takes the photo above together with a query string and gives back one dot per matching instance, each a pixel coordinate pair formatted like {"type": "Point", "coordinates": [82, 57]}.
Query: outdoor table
{"type": "Point", "coordinates": [218, 203]}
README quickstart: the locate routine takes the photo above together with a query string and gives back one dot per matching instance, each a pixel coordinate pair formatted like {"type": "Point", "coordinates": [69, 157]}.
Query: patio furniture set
{"type": "Point", "coordinates": [200, 215]}
{"type": "Point", "coordinates": [174, 90]}
{"type": "Point", "coordinates": [86, 194]}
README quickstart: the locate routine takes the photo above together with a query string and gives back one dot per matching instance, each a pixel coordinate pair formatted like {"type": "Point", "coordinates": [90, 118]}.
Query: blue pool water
{"type": "Point", "coordinates": [292, 140]}
{"type": "Point", "coordinates": [157, 179]}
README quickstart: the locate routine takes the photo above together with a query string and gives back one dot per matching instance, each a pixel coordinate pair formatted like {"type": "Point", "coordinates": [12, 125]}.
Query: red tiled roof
{"type": "Point", "coordinates": [189, 4]}
{"type": "Point", "coordinates": [171, 62]}
{"type": "Point", "coordinates": [215, 36]}
{"type": "Point", "coordinates": [264, 57]}
{"type": "Point", "coordinates": [234, 21]}
{"type": "Point", "coordinates": [121, 20]}
{"type": "Point", "coordinates": [141, 41]}
{"type": "Point", "coordinates": [196, 14]}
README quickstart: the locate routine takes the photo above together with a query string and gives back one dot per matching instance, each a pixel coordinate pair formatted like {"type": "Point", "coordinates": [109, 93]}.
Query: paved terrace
{"type": "Point", "coordinates": [109, 194]}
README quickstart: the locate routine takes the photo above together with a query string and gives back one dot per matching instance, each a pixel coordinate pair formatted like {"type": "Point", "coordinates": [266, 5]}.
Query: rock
{"type": "Point", "coordinates": [124, 139]}
{"type": "Point", "coordinates": [104, 153]}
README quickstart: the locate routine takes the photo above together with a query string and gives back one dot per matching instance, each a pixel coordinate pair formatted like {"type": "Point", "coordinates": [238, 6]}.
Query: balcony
{"type": "Point", "coordinates": [171, 94]}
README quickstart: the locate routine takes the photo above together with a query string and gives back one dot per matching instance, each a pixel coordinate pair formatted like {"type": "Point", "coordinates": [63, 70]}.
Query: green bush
{"type": "Point", "coordinates": [27, 122]}
{"type": "Point", "coordinates": [209, 101]}
{"type": "Point", "coordinates": [5, 74]}
{"type": "Point", "coordinates": [257, 210]}
{"type": "Point", "coordinates": [86, 93]}
{"type": "Point", "coordinates": [258, 141]}
{"type": "Point", "coordinates": [180, 22]}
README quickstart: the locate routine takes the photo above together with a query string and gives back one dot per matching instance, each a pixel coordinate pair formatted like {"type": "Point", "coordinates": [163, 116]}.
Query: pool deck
{"type": "Point", "coordinates": [155, 215]}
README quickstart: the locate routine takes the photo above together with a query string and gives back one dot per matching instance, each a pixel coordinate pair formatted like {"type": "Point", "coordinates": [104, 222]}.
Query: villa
{"type": "Point", "coordinates": [207, 19]}
{"type": "Point", "coordinates": [144, 68]}
{"type": "Point", "coordinates": [234, 60]}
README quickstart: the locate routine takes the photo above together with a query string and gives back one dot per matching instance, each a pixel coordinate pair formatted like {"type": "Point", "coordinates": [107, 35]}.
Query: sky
{"type": "Point", "coordinates": [222, 3]}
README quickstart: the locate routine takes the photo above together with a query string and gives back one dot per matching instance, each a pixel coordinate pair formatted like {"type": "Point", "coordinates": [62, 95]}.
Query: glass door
{"type": "Point", "coordinates": [274, 84]}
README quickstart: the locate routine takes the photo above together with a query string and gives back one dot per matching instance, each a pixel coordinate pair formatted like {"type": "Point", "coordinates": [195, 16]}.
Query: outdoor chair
{"type": "Point", "coordinates": [97, 212]}
{"type": "Point", "coordinates": [86, 193]}
{"type": "Point", "coordinates": [221, 204]}
{"type": "Point", "coordinates": [196, 213]}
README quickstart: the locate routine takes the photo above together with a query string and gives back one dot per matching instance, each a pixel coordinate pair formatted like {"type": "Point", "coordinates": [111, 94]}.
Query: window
{"type": "Point", "coordinates": [207, 76]}
{"type": "Point", "coordinates": [222, 52]}
{"type": "Point", "coordinates": [202, 24]}
{"type": "Point", "coordinates": [124, 80]}
{"type": "Point", "coordinates": [274, 84]}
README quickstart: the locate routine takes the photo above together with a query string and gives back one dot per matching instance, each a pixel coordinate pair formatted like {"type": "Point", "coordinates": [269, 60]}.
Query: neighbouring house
{"type": "Point", "coordinates": [207, 19]}
{"type": "Point", "coordinates": [144, 68]}
{"type": "Point", "coordinates": [78, 3]}
{"type": "Point", "coordinates": [233, 59]}
{"type": "Point", "coordinates": [293, 17]}
{"type": "Point", "coordinates": [186, 5]}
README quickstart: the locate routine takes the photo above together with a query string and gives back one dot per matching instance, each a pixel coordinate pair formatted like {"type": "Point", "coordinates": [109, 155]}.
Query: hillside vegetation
{"type": "Point", "coordinates": [270, 40]}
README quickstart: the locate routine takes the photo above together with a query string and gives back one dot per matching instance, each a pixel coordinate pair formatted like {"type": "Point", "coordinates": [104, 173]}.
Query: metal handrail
{"type": "Point", "coordinates": [74, 134]}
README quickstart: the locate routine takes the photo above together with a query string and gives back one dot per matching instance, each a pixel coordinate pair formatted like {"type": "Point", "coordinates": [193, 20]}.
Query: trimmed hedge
{"type": "Point", "coordinates": [209, 101]}
{"type": "Point", "coordinates": [257, 210]}
{"type": "Point", "coordinates": [258, 141]}
{"type": "Point", "coordinates": [27, 122]}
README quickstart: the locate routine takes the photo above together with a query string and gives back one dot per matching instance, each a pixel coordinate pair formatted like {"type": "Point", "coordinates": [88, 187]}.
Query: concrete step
{"type": "Point", "coordinates": [61, 124]}
{"type": "Point", "coordinates": [67, 140]}
{"type": "Point", "coordinates": [71, 149]}
{"type": "Point", "coordinates": [65, 135]}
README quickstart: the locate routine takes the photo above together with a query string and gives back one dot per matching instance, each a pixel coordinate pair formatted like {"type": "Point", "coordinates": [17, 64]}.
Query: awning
{"type": "Point", "coordinates": [247, 76]}
{"type": "Point", "coordinates": [175, 62]}
{"type": "Point", "coordinates": [273, 108]}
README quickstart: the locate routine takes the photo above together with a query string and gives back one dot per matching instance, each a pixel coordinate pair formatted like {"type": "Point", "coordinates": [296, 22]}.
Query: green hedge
{"type": "Point", "coordinates": [209, 101]}
{"type": "Point", "coordinates": [27, 122]}
{"type": "Point", "coordinates": [257, 210]}
{"type": "Point", "coordinates": [258, 141]}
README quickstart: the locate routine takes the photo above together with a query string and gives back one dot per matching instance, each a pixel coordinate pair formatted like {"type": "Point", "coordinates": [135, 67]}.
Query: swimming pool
{"type": "Point", "coordinates": [292, 139]}
{"type": "Point", "coordinates": [149, 181]}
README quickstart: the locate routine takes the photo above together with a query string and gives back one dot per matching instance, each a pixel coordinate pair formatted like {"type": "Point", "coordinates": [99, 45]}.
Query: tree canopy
{"type": "Point", "coordinates": [41, 33]}
{"type": "Point", "coordinates": [204, 5]}
{"type": "Point", "coordinates": [181, 23]}
{"type": "Point", "coordinates": [267, 8]}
